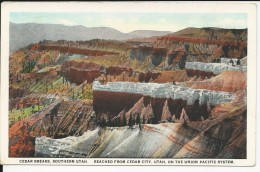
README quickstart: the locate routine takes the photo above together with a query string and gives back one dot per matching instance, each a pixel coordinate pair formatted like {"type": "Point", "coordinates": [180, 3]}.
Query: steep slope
{"type": "Point", "coordinates": [169, 140]}
{"type": "Point", "coordinates": [212, 33]}
{"type": "Point", "coordinates": [57, 120]}
{"type": "Point", "coordinates": [222, 136]}
{"type": "Point", "coordinates": [135, 98]}
{"type": "Point", "coordinates": [230, 81]}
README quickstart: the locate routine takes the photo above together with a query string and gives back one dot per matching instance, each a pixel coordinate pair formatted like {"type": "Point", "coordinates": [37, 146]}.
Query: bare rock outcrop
{"type": "Point", "coordinates": [229, 81]}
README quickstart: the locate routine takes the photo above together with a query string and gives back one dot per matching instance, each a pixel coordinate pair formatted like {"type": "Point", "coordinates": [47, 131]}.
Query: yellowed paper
{"type": "Point", "coordinates": [128, 83]}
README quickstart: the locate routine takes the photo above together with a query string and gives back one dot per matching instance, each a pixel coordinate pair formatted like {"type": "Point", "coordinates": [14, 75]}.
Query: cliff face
{"type": "Point", "coordinates": [74, 50]}
{"type": "Point", "coordinates": [163, 109]}
{"type": "Point", "coordinates": [167, 140]}
{"type": "Point", "coordinates": [156, 55]}
{"type": "Point", "coordinates": [199, 73]}
{"type": "Point", "coordinates": [197, 45]}
{"type": "Point", "coordinates": [115, 70]}
{"type": "Point", "coordinates": [135, 98]}
{"type": "Point", "coordinates": [156, 90]}
{"type": "Point", "coordinates": [148, 76]}
{"type": "Point", "coordinates": [79, 76]}
{"type": "Point", "coordinates": [78, 72]}
{"type": "Point", "coordinates": [172, 76]}
{"type": "Point", "coordinates": [57, 120]}
{"type": "Point", "coordinates": [221, 136]}
{"type": "Point", "coordinates": [229, 81]}
{"type": "Point", "coordinates": [215, 68]}
{"type": "Point", "coordinates": [113, 102]}
{"type": "Point", "coordinates": [183, 96]}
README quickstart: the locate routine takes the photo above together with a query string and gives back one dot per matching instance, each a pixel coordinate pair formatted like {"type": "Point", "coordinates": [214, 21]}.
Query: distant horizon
{"type": "Point", "coordinates": [129, 31]}
{"type": "Point", "coordinates": [128, 22]}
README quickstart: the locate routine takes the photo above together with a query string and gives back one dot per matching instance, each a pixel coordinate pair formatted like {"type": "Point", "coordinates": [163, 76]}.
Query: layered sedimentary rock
{"type": "Point", "coordinates": [79, 64]}
{"type": "Point", "coordinates": [198, 73]}
{"type": "Point", "coordinates": [74, 50]}
{"type": "Point", "coordinates": [78, 76]}
{"type": "Point", "coordinates": [222, 136]}
{"type": "Point", "coordinates": [208, 42]}
{"type": "Point", "coordinates": [57, 120]}
{"type": "Point", "coordinates": [148, 76]}
{"type": "Point", "coordinates": [215, 68]}
{"type": "Point", "coordinates": [168, 140]}
{"type": "Point", "coordinates": [79, 72]}
{"type": "Point", "coordinates": [172, 76]}
{"type": "Point", "coordinates": [33, 99]}
{"type": "Point", "coordinates": [229, 81]}
{"type": "Point", "coordinates": [135, 98]}
{"type": "Point", "coordinates": [157, 55]}
{"type": "Point", "coordinates": [176, 58]}
{"type": "Point", "coordinates": [115, 70]}
{"type": "Point", "coordinates": [166, 91]}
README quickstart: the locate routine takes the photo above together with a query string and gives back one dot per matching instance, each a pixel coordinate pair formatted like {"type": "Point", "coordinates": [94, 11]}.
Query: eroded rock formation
{"type": "Point", "coordinates": [74, 50]}
{"type": "Point", "coordinates": [229, 81]}
{"type": "Point", "coordinates": [58, 120]}
{"type": "Point", "coordinates": [135, 98]}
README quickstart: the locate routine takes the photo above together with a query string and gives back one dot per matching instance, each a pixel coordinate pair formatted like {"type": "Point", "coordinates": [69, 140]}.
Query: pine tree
{"type": "Point", "coordinates": [130, 121]}
{"type": "Point", "coordinates": [103, 123]}
{"type": "Point", "coordinates": [109, 121]}
{"type": "Point", "coordinates": [138, 119]}
{"type": "Point", "coordinates": [115, 122]}
{"type": "Point", "coordinates": [134, 121]}
{"type": "Point", "coordinates": [124, 123]}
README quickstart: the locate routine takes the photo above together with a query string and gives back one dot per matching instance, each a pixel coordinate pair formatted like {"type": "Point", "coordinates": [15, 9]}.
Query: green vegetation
{"type": "Point", "coordinates": [141, 66]}
{"type": "Point", "coordinates": [28, 66]}
{"type": "Point", "coordinates": [17, 115]}
{"type": "Point", "coordinates": [113, 60]}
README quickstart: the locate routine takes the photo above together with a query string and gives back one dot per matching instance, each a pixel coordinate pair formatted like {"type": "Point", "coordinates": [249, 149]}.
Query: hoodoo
{"type": "Point", "coordinates": [165, 100]}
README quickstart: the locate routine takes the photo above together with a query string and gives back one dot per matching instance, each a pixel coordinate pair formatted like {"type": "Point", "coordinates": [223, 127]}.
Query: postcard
{"type": "Point", "coordinates": [128, 83]}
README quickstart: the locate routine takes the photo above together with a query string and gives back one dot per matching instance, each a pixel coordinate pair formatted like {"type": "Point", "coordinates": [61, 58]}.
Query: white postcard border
{"type": "Point", "coordinates": [177, 7]}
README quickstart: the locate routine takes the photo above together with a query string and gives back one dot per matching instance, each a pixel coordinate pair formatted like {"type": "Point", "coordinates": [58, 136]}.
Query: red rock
{"type": "Point", "coordinates": [135, 104]}
{"type": "Point", "coordinates": [229, 81]}
{"type": "Point", "coordinates": [148, 76]}
{"type": "Point", "coordinates": [115, 70]}
{"type": "Point", "coordinates": [113, 102]}
{"type": "Point", "coordinates": [172, 76]}
{"type": "Point", "coordinates": [166, 114]}
{"type": "Point", "coordinates": [74, 50]}
{"type": "Point", "coordinates": [78, 72]}
{"type": "Point", "coordinates": [57, 120]}
{"type": "Point", "coordinates": [199, 73]}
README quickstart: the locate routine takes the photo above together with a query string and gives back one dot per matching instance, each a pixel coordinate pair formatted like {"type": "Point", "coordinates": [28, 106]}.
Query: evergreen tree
{"type": "Point", "coordinates": [118, 122]}
{"type": "Point", "coordinates": [124, 120]}
{"type": "Point", "coordinates": [103, 122]}
{"type": "Point", "coordinates": [140, 126]}
{"type": "Point", "coordinates": [130, 121]}
{"type": "Point", "coordinates": [134, 121]}
{"type": "Point", "coordinates": [138, 119]}
{"type": "Point", "coordinates": [109, 121]}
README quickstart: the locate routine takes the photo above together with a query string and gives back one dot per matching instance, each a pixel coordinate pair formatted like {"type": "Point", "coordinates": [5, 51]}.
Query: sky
{"type": "Point", "coordinates": [127, 22]}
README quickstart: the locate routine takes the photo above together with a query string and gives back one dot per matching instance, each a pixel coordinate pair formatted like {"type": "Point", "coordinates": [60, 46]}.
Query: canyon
{"type": "Point", "coordinates": [176, 95]}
